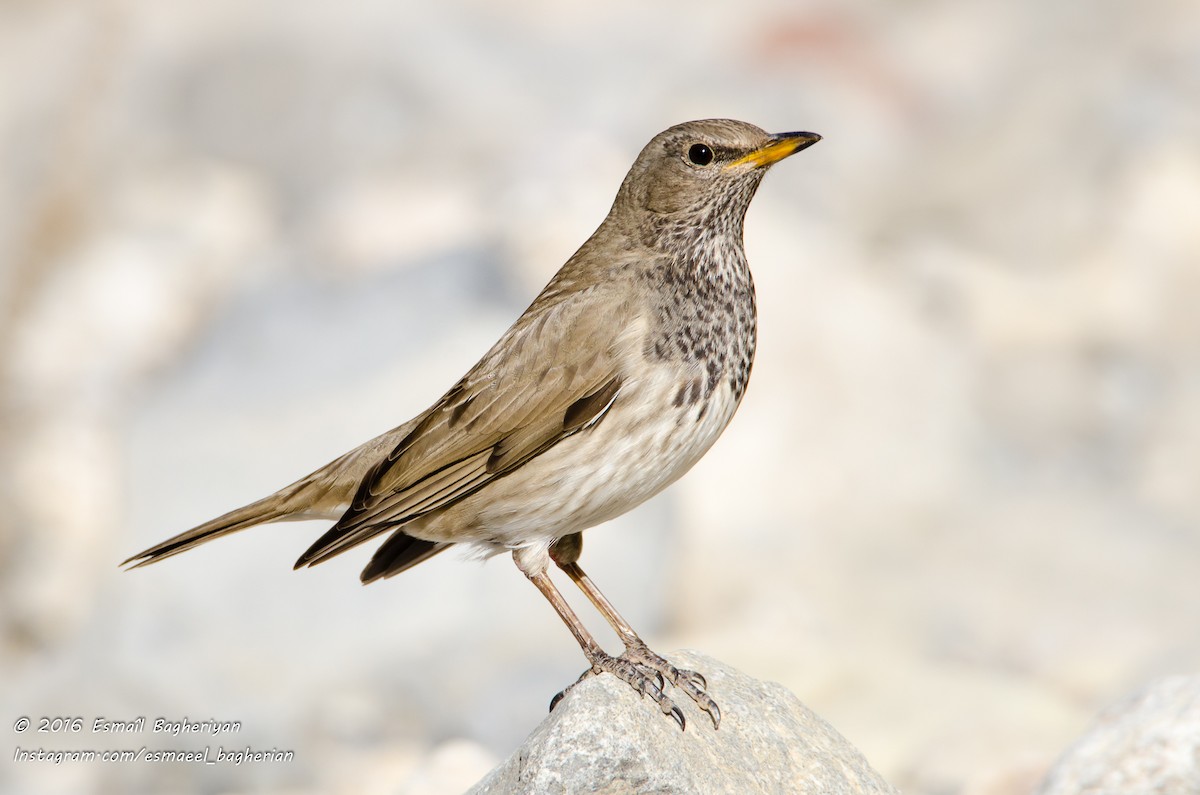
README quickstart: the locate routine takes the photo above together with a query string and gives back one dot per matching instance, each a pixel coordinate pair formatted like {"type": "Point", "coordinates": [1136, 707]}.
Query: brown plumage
{"type": "Point", "coordinates": [618, 377]}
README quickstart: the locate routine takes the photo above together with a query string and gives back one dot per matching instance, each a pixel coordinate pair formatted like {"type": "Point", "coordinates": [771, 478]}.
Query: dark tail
{"type": "Point", "coordinates": [400, 552]}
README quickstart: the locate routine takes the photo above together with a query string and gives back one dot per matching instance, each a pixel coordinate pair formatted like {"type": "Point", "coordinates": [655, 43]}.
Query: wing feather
{"type": "Point", "coordinates": [511, 407]}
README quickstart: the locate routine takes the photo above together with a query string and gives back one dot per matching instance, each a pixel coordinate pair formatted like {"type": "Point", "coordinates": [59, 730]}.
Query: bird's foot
{"type": "Point", "coordinates": [646, 684]}
{"type": "Point", "coordinates": [647, 673]}
{"type": "Point", "coordinates": [692, 683]}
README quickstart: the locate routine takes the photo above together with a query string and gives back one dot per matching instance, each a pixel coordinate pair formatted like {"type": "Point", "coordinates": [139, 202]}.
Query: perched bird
{"type": "Point", "coordinates": [613, 383]}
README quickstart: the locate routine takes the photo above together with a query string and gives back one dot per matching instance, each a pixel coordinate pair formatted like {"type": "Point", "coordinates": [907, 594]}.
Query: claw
{"type": "Point", "coordinates": [648, 688]}
{"type": "Point", "coordinates": [557, 698]}
{"type": "Point", "coordinates": [696, 675]}
{"type": "Point", "coordinates": [676, 713]}
{"type": "Point", "coordinates": [714, 712]}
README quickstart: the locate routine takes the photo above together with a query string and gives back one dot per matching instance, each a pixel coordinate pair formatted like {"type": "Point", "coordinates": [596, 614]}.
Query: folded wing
{"type": "Point", "coordinates": [515, 404]}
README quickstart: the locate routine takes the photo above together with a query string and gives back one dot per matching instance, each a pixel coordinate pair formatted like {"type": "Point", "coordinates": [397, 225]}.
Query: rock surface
{"type": "Point", "coordinates": [1148, 743]}
{"type": "Point", "coordinates": [602, 738]}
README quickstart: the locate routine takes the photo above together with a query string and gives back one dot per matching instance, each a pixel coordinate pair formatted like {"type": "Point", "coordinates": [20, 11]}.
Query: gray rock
{"type": "Point", "coordinates": [1147, 743]}
{"type": "Point", "coordinates": [603, 738]}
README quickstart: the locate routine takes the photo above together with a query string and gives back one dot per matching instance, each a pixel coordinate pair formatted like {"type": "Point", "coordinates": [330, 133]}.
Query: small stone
{"type": "Point", "coordinates": [603, 738]}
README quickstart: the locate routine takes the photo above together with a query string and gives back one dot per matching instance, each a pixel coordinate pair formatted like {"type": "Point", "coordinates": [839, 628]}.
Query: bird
{"type": "Point", "coordinates": [620, 376]}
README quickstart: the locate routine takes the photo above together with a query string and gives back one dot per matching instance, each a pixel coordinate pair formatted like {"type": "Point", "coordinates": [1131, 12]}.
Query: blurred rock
{"type": "Point", "coordinates": [1147, 743]}
{"type": "Point", "coordinates": [450, 767]}
{"type": "Point", "coordinates": [603, 739]}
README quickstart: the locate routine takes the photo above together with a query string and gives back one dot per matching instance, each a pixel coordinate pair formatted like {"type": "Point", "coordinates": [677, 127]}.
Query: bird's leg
{"type": "Point", "coordinates": [565, 554]}
{"type": "Point", "coordinates": [624, 669]}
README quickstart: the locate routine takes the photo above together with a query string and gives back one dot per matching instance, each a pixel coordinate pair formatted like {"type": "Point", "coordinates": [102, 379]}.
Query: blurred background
{"type": "Point", "coordinates": [957, 513]}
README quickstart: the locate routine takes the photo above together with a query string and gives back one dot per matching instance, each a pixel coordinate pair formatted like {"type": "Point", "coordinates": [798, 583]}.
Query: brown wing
{"type": "Point", "coordinates": [554, 373]}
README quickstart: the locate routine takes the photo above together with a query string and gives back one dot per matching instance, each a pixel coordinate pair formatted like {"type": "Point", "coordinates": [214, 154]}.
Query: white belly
{"type": "Point", "coordinates": [634, 452]}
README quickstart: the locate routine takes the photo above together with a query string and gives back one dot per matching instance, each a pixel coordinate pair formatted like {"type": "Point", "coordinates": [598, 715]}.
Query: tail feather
{"type": "Point", "coordinates": [400, 552]}
{"type": "Point", "coordinates": [323, 494]}
{"type": "Point", "coordinates": [268, 509]}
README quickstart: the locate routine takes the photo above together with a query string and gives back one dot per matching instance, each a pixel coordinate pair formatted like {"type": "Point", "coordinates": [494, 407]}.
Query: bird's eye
{"type": "Point", "coordinates": [700, 154]}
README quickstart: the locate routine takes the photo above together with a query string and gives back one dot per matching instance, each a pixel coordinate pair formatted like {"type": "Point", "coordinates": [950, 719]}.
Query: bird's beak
{"type": "Point", "coordinates": [777, 148]}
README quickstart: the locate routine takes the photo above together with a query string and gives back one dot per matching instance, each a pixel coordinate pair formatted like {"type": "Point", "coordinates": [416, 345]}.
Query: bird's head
{"type": "Point", "coordinates": [705, 168]}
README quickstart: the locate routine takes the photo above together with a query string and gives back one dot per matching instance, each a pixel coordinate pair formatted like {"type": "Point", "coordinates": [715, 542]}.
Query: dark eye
{"type": "Point", "coordinates": [700, 154]}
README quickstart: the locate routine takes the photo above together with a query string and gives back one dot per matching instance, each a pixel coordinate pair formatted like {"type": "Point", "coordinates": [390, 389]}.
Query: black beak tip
{"type": "Point", "coordinates": [802, 139]}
